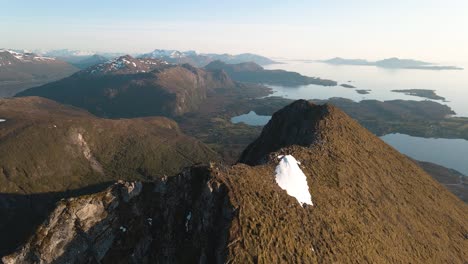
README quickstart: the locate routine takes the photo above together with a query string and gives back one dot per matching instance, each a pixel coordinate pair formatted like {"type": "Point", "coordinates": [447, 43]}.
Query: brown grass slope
{"type": "Point", "coordinates": [372, 204]}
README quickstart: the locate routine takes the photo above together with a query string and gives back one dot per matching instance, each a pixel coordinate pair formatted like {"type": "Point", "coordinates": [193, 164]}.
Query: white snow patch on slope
{"type": "Point", "coordinates": [291, 179]}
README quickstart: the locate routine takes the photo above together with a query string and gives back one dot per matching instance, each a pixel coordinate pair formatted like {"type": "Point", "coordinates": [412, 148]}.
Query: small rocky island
{"type": "Point", "coordinates": [347, 86]}
{"type": "Point", "coordinates": [363, 91]}
{"type": "Point", "coordinates": [425, 93]}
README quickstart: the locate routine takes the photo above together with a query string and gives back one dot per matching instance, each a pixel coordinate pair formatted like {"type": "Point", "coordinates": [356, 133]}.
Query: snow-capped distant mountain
{"type": "Point", "coordinates": [200, 60]}
{"type": "Point", "coordinates": [67, 53]}
{"type": "Point", "coordinates": [159, 53]}
{"type": "Point", "coordinates": [22, 69]}
{"type": "Point", "coordinates": [76, 57]}
{"type": "Point", "coordinates": [124, 65]}
{"type": "Point", "coordinates": [12, 57]}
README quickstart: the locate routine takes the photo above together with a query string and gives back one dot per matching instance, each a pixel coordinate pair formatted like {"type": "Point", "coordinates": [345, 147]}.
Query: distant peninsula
{"type": "Point", "coordinates": [392, 63]}
{"type": "Point", "coordinates": [251, 72]}
{"type": "Point", "coordinates": [429, 94]}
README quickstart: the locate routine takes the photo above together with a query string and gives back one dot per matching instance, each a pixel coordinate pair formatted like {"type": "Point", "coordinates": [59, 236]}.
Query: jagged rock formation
{"type": "Point", "coordinates": [184, 218]}
{"type": "Point", "coordinates": [295, 124]}
{"type": "Point", "coordinates": [371, 204]}
{"type": "Point", "coordinates": [129, 87]}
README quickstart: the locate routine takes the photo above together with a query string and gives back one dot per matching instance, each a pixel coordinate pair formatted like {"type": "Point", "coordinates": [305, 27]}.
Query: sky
{"type": "Point", "coordinates": [297, 29]}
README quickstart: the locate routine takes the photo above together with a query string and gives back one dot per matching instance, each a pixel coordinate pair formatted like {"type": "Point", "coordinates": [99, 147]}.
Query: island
{"type": "Point", "coordinates": [363, 91]}
{"type": "Point", "coordinates": [392, 63]}
{"type": "Point", "coordinates": [347, 85]}
{"type": "Point", "coordinates": [424, 93]}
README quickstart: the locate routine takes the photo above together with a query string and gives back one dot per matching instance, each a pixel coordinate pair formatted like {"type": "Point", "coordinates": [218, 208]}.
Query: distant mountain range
{"type": "Point", "coordinates": [200, 60]}
{"type": "Point", "coordinates": [75, 56]}
{"type": "Point", "coordinates": [394, 63]}
{"type": "Point", "coordinates": [22, 70]}
{"type": "Point", "coordinates": [82, 59]}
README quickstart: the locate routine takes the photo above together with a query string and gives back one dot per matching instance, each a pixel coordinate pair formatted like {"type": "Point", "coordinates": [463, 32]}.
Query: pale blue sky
{"type": "Point", "coordinates": [422, 29]}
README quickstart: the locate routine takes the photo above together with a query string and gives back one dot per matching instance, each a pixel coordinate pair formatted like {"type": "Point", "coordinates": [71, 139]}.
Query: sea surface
{"type": "Point", "coordinates": [451, 84]}
{"type": "Point", "coordinates": [450, 153]}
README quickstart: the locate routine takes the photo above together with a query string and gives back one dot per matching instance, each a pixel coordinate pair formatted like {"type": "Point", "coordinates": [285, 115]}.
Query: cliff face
{"type": "Point", "coordinates": [371, 204]}
{"type": "Point", "coordinates": [184, 218]}
{"type": "Point", "coordinates": [128, 87]}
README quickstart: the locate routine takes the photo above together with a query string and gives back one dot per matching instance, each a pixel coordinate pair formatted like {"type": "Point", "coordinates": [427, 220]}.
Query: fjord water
{"type": "Point", "coordinates": [450, 153]}
{"type": "Point", "coordinates": [451, 84]}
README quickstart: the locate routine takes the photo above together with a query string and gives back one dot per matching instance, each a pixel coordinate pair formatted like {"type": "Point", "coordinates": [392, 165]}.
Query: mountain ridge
{"type": "Point", "coordinates": [371, 204]}
{"type": "Point", "coordinates": [110, 89]}
{"type": "Point", "coordinates": [202, 59]}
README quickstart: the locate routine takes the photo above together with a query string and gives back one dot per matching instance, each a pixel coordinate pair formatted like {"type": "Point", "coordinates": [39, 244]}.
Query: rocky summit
{"type": "Point", "coordinates": [371, 204]}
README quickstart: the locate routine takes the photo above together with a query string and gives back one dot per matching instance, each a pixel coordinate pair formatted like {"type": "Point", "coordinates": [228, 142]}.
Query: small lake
{"type": "Point", "coordinates": [450, 153]}
{"type": "Point", "coordinates": [251, 119]}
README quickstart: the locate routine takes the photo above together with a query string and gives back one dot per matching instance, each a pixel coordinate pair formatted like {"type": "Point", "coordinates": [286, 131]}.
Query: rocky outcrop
{"type": "Point", "coordinates": [184, 218]}
{"type": "Point", "coordinates": [295, 124]}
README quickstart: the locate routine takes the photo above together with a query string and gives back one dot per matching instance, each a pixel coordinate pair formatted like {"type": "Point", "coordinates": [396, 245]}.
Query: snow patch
{"type": "Point", "coordinates": [291, 179]}
{"type": "Point", "coordinates": [187, 221]}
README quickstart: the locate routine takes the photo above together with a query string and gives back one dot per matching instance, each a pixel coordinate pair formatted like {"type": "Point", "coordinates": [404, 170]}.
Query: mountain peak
{"type": "Point", "coordinates": [125, 65]}
{"type": "Point", "coordinates": [11, 57]}
{"type": "Point", "coordinates": [295, 124]}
